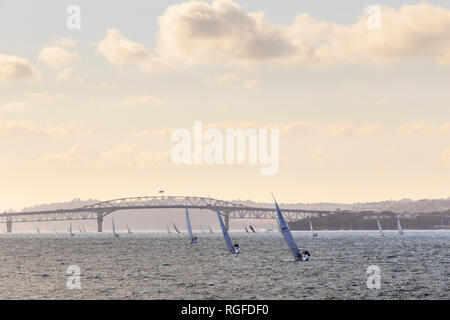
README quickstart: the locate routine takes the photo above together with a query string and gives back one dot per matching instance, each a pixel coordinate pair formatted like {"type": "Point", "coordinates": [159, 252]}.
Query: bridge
{"type": "Point", "coordinates": [98, 211]}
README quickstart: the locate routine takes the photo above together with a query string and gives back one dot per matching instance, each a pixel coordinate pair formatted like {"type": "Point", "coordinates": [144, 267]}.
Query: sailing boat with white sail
{"type": "Point", "coordinates": [84, 229]}
{"type": "Point", "coordinates": [37, 230]}
{"type": "Point", "coordinates": [79, 229]}
{"type": "Point", "coordinates": [232, 248]}
{"type": "Point", "coordinates": [116, 235]}
{"type": "Point", "coordinates": [129, 231]}
{"type": "Point", "coordinates": [399, 226]}
{"type": "Point", "coordinates": [70, 230]}
{"type": "Point", "coordinates": [210, 230]}
{"type": "Point", "coordinates": [175, 227]}
{"type": "Point", "coordinates": [246, 230]}
{"type": "Point", "coordinates": [188, 224]}
{"type": "Point", "coordinates": [251, 228]}
{"type": "Point", "coordinates": [380, 230]}
{"type": "Point", "coordinates": [304, 256]}
{"type": "Point", "coordinates": [314, 234]}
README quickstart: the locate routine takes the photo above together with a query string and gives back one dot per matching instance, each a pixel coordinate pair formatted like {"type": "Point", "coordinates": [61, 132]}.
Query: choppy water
{"type": "Point", "coordinates": [163, 266]}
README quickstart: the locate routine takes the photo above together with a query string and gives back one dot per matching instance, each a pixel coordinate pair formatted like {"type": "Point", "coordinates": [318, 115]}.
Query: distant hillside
{"type": "Point", "coordinates": [400, 206]}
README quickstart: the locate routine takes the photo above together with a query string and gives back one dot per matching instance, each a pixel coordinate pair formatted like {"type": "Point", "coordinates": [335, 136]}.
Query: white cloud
{"type": "Point", "coordinates": [120, 50]}
{"type": "Point", "coordinates": [421, 127]}
{"type": "Point", "coordinates": [16, 68]}
{"type": "Point", "coordinates": [233, 80]}
{"type": "Point", "coordinates": [103, 85]}
{"type": "Point", "coordinates": [44, 96]}
{"type": "Point", "coordinates": [445, 157]}
{"type": "Point", "coordinates": [57, 57]}
{"type": "Point", "coordinates": [132, 155]}
{"type": "Point", "coordinates": [318, 156]}
{"type": "Point", "coordinates": [145, 100]}
{"type": "Point", "coordinates": [196, 32]}
{"type": "Point", "coordinates": [76, 155]}
{"type": "Point", "coordinates": [22, 128]}
{"type": "Point", "coordinates": [69, 74]}
{"type": "Point", "coordinates": [15, 106]}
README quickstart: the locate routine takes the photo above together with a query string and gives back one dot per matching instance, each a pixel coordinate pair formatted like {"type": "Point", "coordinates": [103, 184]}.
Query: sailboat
{"type": "Point", "coordinates": [288, 236]}
{"type": "Point", "coordinates": [399, 226]}
{"type": "Point", "coordinates": [84, 229]}
{"type": "Point", "coordinates": [168, 229]}
{"type": "Point", "coordinates": [37, 230]}
{"type": "Point", "coordinates": [232, 249]}
{"type": "Point", "coordinates": [246, 230]}
{"type": "Point", "coordinates": [79, 229]}
{"type": "Point", "coordinates": [70, 230]}
{"type": "Point", "coordinates": [188, 224]}
{"type": "Point", "coordinates": [175, 227]}
{"type": "Point", "coordinates": [380, 230]}
{"type": "Point", "coordinates": [116, 235]}
{"type": "Point", "coordinates": [210, 230]}
{"type": "Point", "coordinates": [129, 231]}
{"type": "Point", "coordinates": [251, 228]}
{"type": "Point", "coordinates": [314, 234]}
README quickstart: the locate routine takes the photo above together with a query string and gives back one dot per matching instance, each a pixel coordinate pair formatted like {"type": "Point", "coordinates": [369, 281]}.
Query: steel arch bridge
{"type": "Point", "coordinates": [98, 211]}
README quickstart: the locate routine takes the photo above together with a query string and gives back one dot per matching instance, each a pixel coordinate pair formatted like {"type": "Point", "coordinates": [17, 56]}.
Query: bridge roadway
{"type": "Point", "coordinates": [98, 211]}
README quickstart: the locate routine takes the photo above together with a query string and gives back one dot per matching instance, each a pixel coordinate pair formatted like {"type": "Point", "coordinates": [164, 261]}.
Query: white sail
{"type": "Point", "coordinates": [210, 230]}
{"type": "Point", "coordinates": [287, 234]}
{"type": "Point", "coordinates": [114, 229]}
{"type": "Point", "coordinates": [129, 231]}
{"type": "Point", "coordinates": [399, 226]}
{"type": "Point", "coordinates": [231, 248]}
{"type": "Point", "coordinates": [314, 234]}
{"type": "Point", "coordinates": [380, 230]}
{"type": "Point", "coordinates": [37, 230]}
{"type": "Point", "coordinates": [188, 224]}
{"type": "Point", "coordinates": [246, 230]}
{"type": "Point", "coordinates": [70, 230]}
{"type": "Point", "coordinates": [79, 229]}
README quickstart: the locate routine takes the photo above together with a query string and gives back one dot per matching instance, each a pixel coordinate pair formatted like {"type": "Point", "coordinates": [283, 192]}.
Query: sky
{"type": "Point", "coordinates": [363, 111]}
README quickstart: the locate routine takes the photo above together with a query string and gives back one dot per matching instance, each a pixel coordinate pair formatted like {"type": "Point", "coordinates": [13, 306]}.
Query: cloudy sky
{"type": "Point", "coordinates": [363, 112]}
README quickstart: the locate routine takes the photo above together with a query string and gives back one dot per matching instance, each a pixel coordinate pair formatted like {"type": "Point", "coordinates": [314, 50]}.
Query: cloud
{"type": "Point", "coordinates": [57, 57]}
{"type": "Point", "coordinates": [69, 74]}
{"type": "Point", "coordinates": [132, 155]}
{"type": "Point", "coordinates": [421, 127]}
{"type": "Point", "coordinates": [141, 101]}
{"type": "Point", "coordinates": [22, 128]}
{"type": "Point", "coordinates": [103, 85]}
{"type": "Point", "coordinates": [44, 96]}
{"type": "Point", "coordinates": [15, 106]}
{"type": "Point", "coordinates": [318, 156]}
{"type": "Point", "coordinates": [76, 155]}
{"type": "Point", "coordinates": [196, 32]}
{"type": "Point", "coordinates": [234, 80]}
{"type": "Point", "coordinates": [120, 50]}
{"type": "Point", "coordinates": [287, 128]}
{"type": "Point", "coordinates": [445, 157]}
{"type": "Point", "coordinates": [16, 68]}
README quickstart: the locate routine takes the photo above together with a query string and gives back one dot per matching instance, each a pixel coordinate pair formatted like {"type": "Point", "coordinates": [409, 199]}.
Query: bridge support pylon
{"type": "Point", "coordinates": [99, 222]}
{"type": "Point", "coordinates": [8, 225]}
